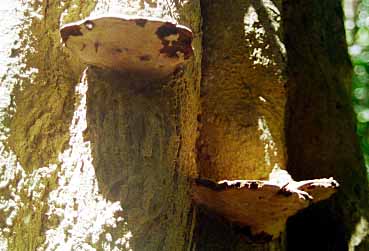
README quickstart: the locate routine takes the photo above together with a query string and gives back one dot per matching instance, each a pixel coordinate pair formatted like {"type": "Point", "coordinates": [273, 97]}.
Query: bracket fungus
{"type": "Point", "coordinates": [262, 206]}
{"type": "Point", "coordinates": [151, 48]}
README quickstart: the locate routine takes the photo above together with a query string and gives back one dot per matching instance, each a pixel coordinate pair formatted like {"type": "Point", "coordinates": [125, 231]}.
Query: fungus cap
{"type": "Point", "coordinates": [262, 206]}
{"type": "Point", "coordinates": [146, 46]}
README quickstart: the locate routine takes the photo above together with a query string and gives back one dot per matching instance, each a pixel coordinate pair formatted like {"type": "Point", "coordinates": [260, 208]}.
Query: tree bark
{"type": "Point", "coordinates": [242, 107]}
{"type": "Point", "coordinates": [320, 124]}
{"type": "Point", "coordinates": [268, 87]}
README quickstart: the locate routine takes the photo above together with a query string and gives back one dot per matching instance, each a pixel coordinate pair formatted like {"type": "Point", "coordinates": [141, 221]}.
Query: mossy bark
{"type": "Point", "coordinates": [274, 82]}
{"type": "Point", "coordinates": [43, 103]}
{"type": "Point", "coordinates": [138, 130]}
{"type": "Point", "coordinates": [45, 100]}
{"type": "Point", "coordinates": [142, 134]}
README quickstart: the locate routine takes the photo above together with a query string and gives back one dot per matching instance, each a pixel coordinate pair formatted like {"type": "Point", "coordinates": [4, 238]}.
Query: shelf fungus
{"type": "Point", "coordinates": [153, 48]}
{"type": "Point", "coordinates": [262, 207]}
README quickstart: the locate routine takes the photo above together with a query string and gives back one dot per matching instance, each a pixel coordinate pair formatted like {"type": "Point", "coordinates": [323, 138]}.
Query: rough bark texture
{"type": "Point", "coordinates": [242, 114]}
{"type": "Point", "coordinates": [149, 138]}
{"type": "Point", "coordinates": [44, 105]}
{"type": "Point", "coordinates": [136, 136]}
{"type": "Point", "coordinates": [142, 134]}
{"type": "Point", "coordinates": [242, 91]}
{"type": "Point", "coordinates": [143, 137]}
{"type": "Point", "coordinates": [320, 131]}
{"type": "Point", "coordinates": [39, 129]}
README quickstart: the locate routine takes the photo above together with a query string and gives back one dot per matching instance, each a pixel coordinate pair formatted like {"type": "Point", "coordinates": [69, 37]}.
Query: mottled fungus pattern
{"type": "Point", "coordinates": [151, 48]}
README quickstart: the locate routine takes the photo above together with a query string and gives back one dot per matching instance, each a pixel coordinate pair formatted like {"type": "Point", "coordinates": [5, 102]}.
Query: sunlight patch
{"type": "Point", "coordinates": [81, 214]}
{"type": "Point", "coordinates": [250, 21]}
{"type": "Point", "coordinates": [361, 231]}
{"type": "Point", "coordinates": [254, 36]}
{"type": "Point", "coordinates": [267, 139]}
{"type": "Point", "coordinates": [258, 37]}
{"type": "Point", "coordinates": [166, 9]}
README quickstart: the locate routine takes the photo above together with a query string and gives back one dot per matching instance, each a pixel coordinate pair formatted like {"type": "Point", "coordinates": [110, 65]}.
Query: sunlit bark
{"type": "Point", "coordinates": [93, 159]}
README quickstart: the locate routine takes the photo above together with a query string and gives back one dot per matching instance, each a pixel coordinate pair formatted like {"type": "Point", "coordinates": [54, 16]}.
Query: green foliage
{"type": "Point", "coordinates": [357, 30]}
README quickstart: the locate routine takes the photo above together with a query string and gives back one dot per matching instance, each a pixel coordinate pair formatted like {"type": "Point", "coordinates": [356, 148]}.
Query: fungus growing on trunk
{"type": "Point", "coordinates": [150, 48]}
{"type": "Point", "coordinates": [153, 49]}
{"type": "Point", "coordinates": [262, 207]}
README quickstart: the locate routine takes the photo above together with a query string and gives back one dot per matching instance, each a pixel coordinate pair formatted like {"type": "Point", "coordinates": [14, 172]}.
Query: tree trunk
{"type": "Point", "coordinates": [320, 127]}
{"type": "Point", "coordinates": [109, 162]}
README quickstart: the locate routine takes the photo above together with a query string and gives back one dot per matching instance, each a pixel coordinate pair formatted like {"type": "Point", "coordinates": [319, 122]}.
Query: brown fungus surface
{"type": "Point", "coordinates": [151, 48]}
{"type": "Point", "coordinates": [263, 206]}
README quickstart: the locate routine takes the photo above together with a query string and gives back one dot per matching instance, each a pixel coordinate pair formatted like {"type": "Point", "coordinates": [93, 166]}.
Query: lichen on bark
{"type": "Point", "coordinates": [42, 110]}
{"type": "Point", "coordinates": [145, 141]}
{"type": "Point", "coordinates": [46, 129]}
{"type": "Point", "coordinates": [39, 129]}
